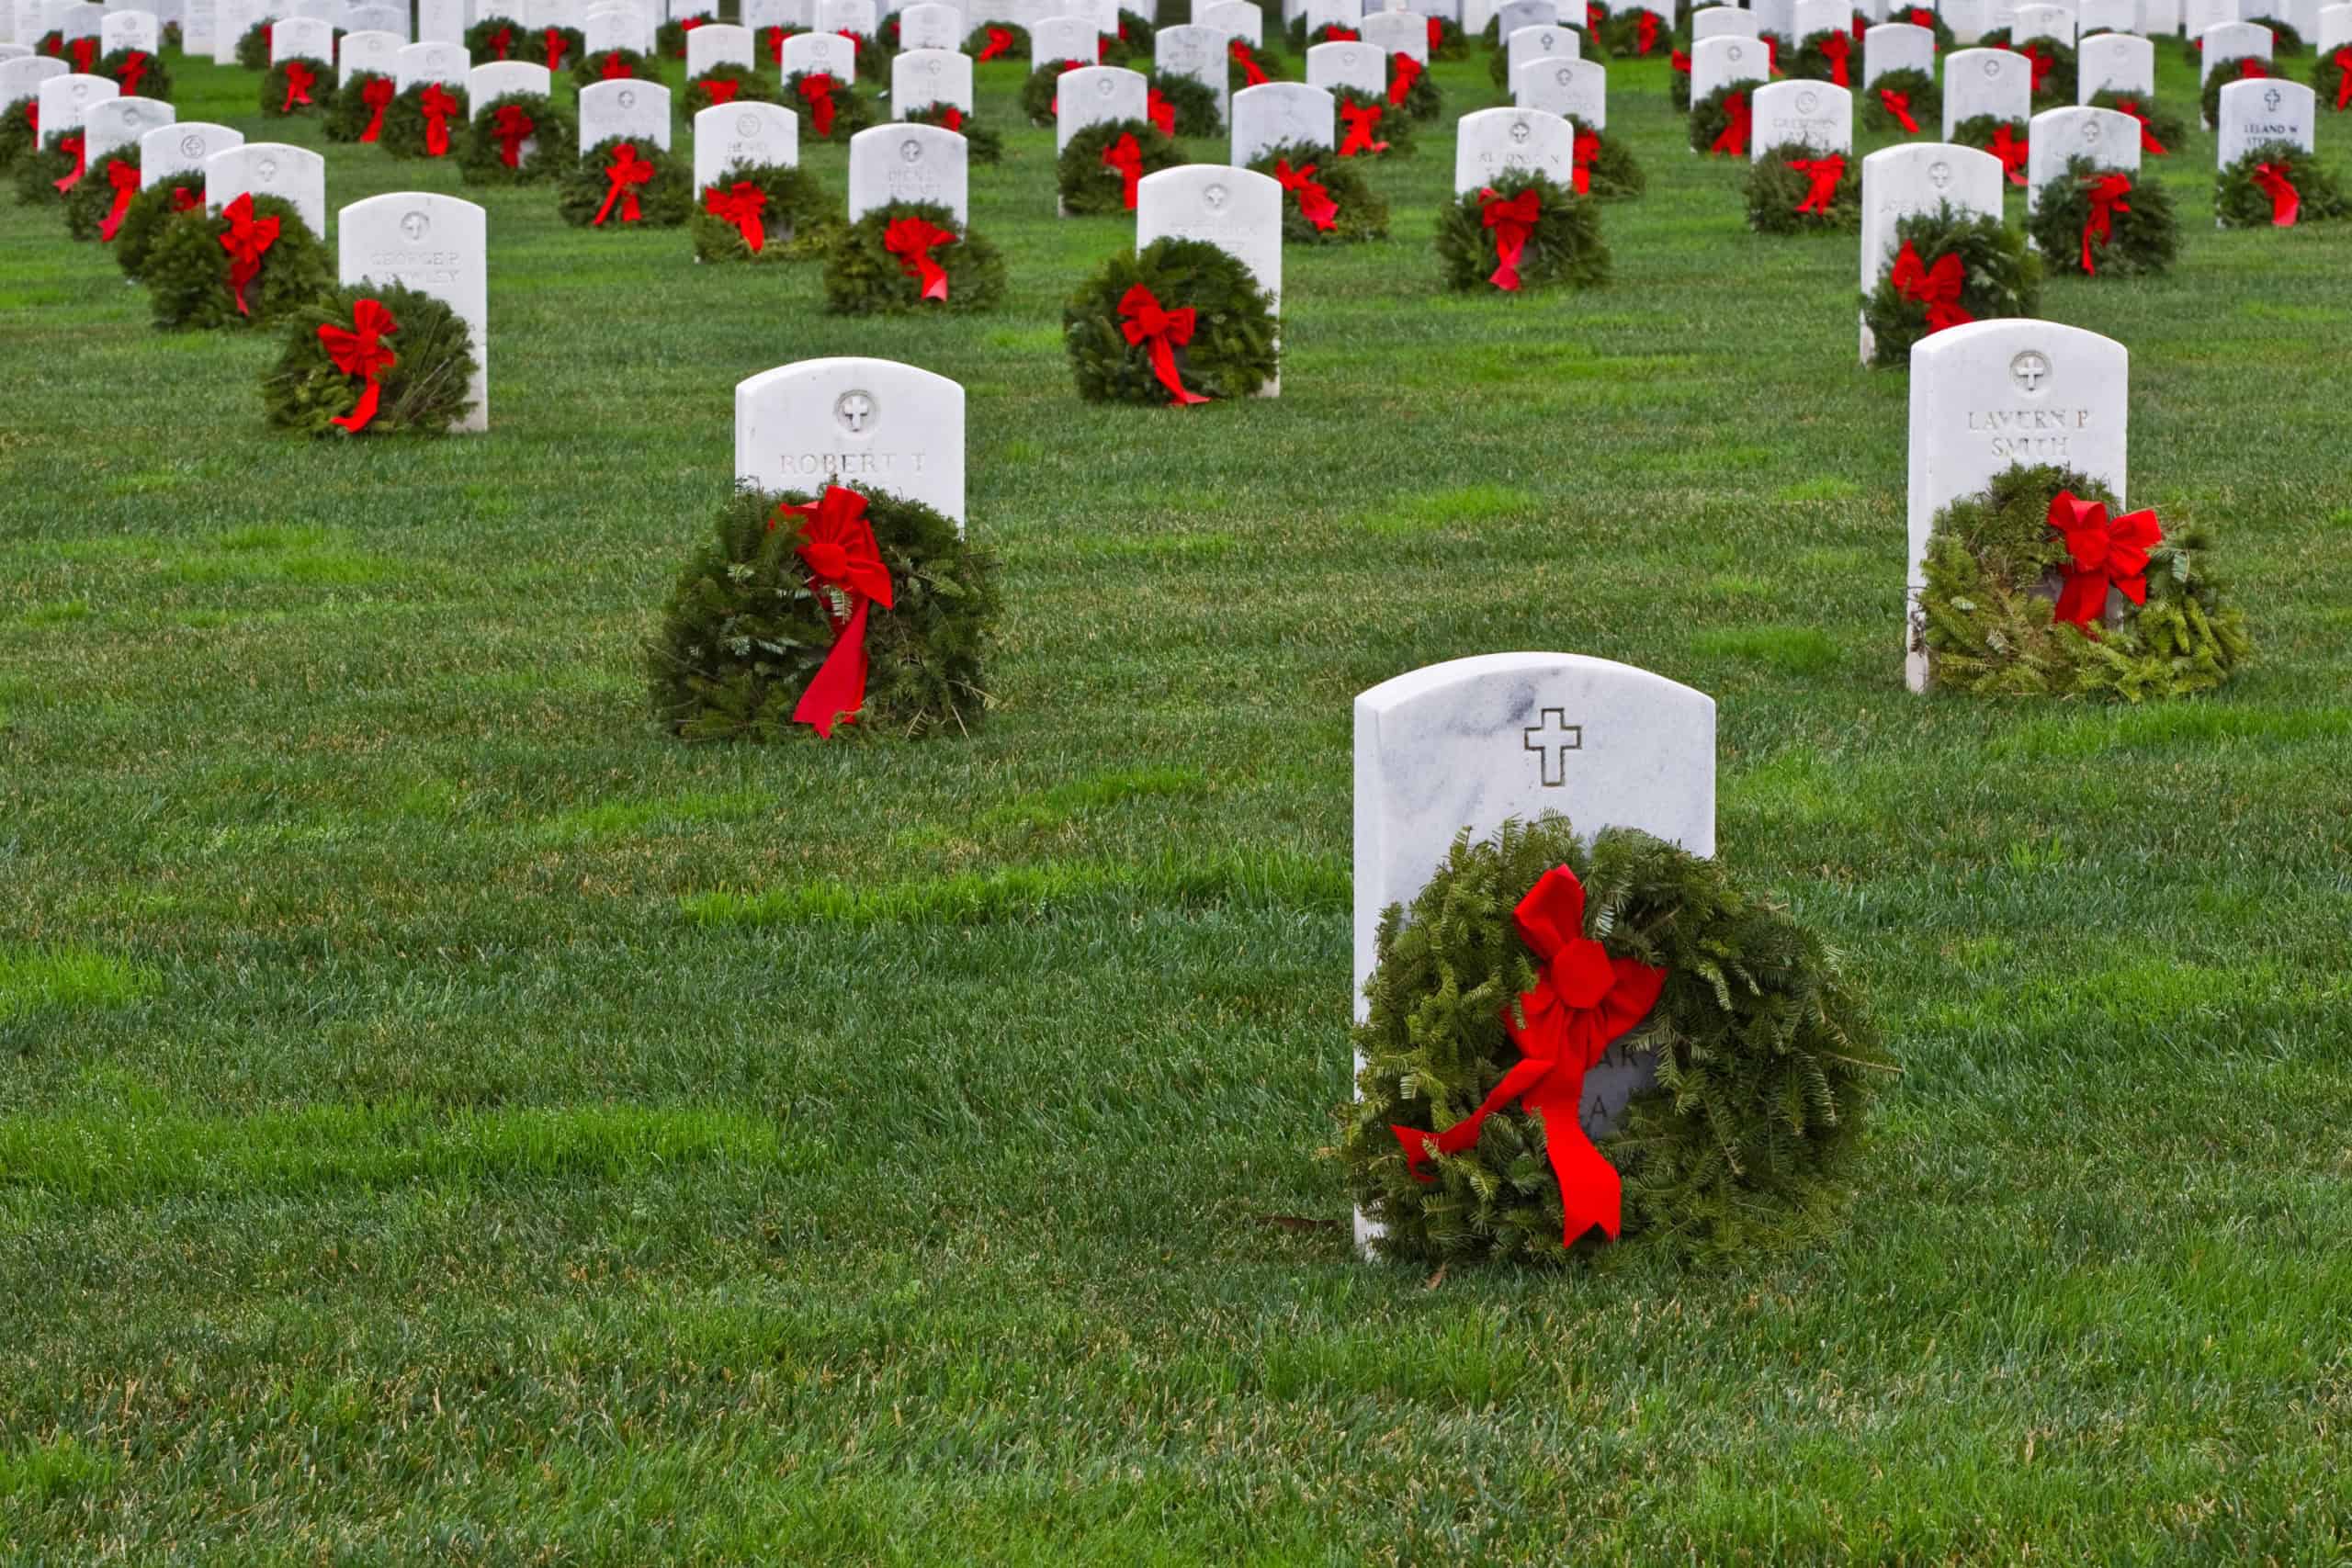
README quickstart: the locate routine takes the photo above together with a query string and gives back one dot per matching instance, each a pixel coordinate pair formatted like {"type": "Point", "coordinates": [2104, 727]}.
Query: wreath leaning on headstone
{"type": "Point", "coordinates": [625, 183]}
{"type": "Point", "coordinates": [1447, 41]}
{"type": "Point", "coordinates": [613, 65]}
{"type": "Point", "coordinates": [2159, 132]}
{"type": "Point", "coordinates": [494, 39]}
{"type": "Point", "coordinates": [727, 84]}
{"type": "Point", "coordinates": [253, 46]}
{"type": "Point", "coordinates": [1723, 120]}
{"type": "Point", "coordinates": [148, 212]}
{"type": "Point", "coordinates": [2005, 138]}
{"type": "Point", "coordinates": [1041, 91]}
{"type": "Point", "coordinates": [830, 108]}
{"type": "Point", "coordinates": [1533, 947]}
{"type": "Point", "coordinates": [371, 360]}
{"type": "Point", "coordinates": [756, 635]}
{"type": "Point", "coordinates": [870, 61]}
{"type": "Point", "coordinates": [911, 257]}
{"type": "Point", "coordinates": [1830, 56]}
{"type": "Point", "coordinates": [50, 173]}
{"type": "Point", "coordinates": [1523, 232]}
{"type": "Point", "coordinates": [1324, 201]}
{"type": "Point", "coordinates": [18, 138]}
{"type": "Point", "coordinates": [1947, 268]}
{"type": "Point", "coordinates": [250, 264]}
{"type": "Point", "coordinates": [2103, 223]}
{"type": "Point", "coordinates": [2284, 39]}
{"type": "Point", "coordinates": [1097, 173]}
{"type": "Point", "coordinates": [100, 200]}
{"type": "Point", "coordinates": [1605, 168]}
{"type": "Point", "coordinates": [983, 143]}
{"type": "Point", "coordinates": [1370, 126]}
{"type": "Point", "coordinates": [2054, 65]}
{"type": "Point", "coordinates": [1794, 189]}
{"type": "Point", "coordinates": [2331, 79]}
{"type": "Point", "coordinates": [297, 86]}
{"type": "Point", "coordinates": [2032, 587]}
{"type": "Point", "coordinates": [997, 40]}
{"type": "Point", "coordinates": [138, 73]}
{"type": "Point", "coordinates": [517, 139]}
{"type": "Point", "coordinates": [424, 121]}
{"type": "Point", "coordinates": [1181, 106]}
{"type": "Point", "coordinates": [2277, 184]}
{"type": "Point", "coordinates": [1133, 41]}
{"type": "Point", "coordinates": [2244, 68]}
{"type": "Point", "coordinates": [762, 212]}
{"type": "Point", "coordinates": [1181, 322]}
{"type": "Point", "coordinates": [1413, 90]}
{"type": "Point", "coordinates": [1247, 67]}
{"type": "Point", "coordinates": [356, 112]}
{"type": "Point", "coordinates": [1639, 33]}
{"type": "Point", "coordinates": [1903, 102]}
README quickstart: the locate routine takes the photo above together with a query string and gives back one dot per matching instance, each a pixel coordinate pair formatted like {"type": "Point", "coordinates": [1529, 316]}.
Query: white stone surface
{"type": "Point", "coordinates": [1914, 178]}
{"type": "Point", "coordinates": [922, 77]}
{"type": "Point", "coordinates": [932, 27]}
{"type": "Point", "coordinates": [183, 146]}
{"type": "Point", "coordinates": [2335, 27]}
{"type": "Point", "coordinates": [2110, 15]}
{"type": "Point", "coordinates": [129, 30]}
{"type": "Point", "coordinates": [65, 99]}
{"type": "Point", "coordinates": [1573, 89]}
{"type": "Point", "coordinates": [120, 122]}
{"type": "Point", "coordinates": [743, 135]}
{"type": "Point", "coordinates": [1987, 81]}
{"type": "Point", "coordinates": [1235, 19]}
{"type": "Point", "coordinates": [1810, 17]}
{"type": "Point", "coordinates": [1321, 14]}
{"type": "Point", "coordinates": [640, 110]}
{"type": "Point", "coordinates": [2120, 62]}
{"type": "Point", "coordinates": [299, 38]}
{"type": "Point", "coordinates": [1278, 112]}
{"type": "Point", "coordinates": [1238, 211]}
{"type": "Point", "coordinates": [499, 77]}
{"type": "Point", "coordinates": [2109, 139]}
{"type": "Point", "coordinates": [436, 246]}
{"type": "Point", "coordinates": [2055, 23]}
{"type": "Point", "coordinates": [1064, 38]}
{"type": "Point", "coordinates": [1720, 62]}
{"type": "Point", "coordinates": [21, 79]}
{"type": "Point", "coordinates": [1094, 94]}
{"type": "Point", "coordinates": [829, 53]}
{"type": "Point", "coordinates": [1198, 53]}
{"type": "Point", "coordinates": [716, 43]}
{"type": "Point", "coordinates": [2252, 113]}
{"type": "Point", "coordinates": [1722, 21]}
{"type": "Point", "coordinates": [378, 20]}
{"type": "Point", "coordinates": [1490, 143]}
{"type": "Point", "coordinates": [874, 426]}
{"type": "Point", "coordinates": [441, 21]}
{"type": "Point", "coordinates": [1358, 65]}
{"type": "Point", "coordinates": [899, 161]}
{"type": "Point", "coordinates": [2231, 40]}
{"type": "Point", "coordinates": [1898, 46]}
{"type": "Point", "coordinates": [446, 64]}
{"type": "Point", "coordinates": [374, 52]}
{"type": "Point", "coordinates": [293, 174]}
{"type": "Point", "coordinates": [2196, 16]}
{"type": "Point", "coordinates": [1398, 32]}
{"type": "Point", "coordinates": [621, 28]}
{"type": "Point", "coordinates": [1818, 115]}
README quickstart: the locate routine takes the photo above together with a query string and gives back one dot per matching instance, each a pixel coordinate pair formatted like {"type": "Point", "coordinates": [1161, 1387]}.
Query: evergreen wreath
{"type": "Point", "coordinates": [872, 62]}
{"type": "Point", "coordinates": [997, 40]}
{"type": "Point", "coordinates": [1766, 1058]}
{"type": "Point", "coordinates": [148, 212]}
{"type": "Point", "coordinates": [152, 80]}
{"type": "Point", "coordinates": [1993, 572]}
{"type": "Point", "coordinates": [187, 271]}
{"type": "Point", "coordinates": [794, 219]}
{"type": "Point", "coordinates": [2238, 202]}
{"type": "Point", "coordinates": [1678, 81]}
{"type": "Point", "coordinates": [1564, 248]}
{"type": "Point", "coordinates": [1776, 188]}
{"type": "Point", "coordinates": [1610, 174]}
{"type": "Point", "coordinates": [1396, 127]}
{"type": "Point", "coordinates": [1923, 101]}
{"type": "Point", "coordinates": [171, 40]}
{"type": "Point", "coordinates": [670, 37]}
{"type": "Point", "coordinates": [482, 151]}
{"type": "Point", "coordinates": [1133, 40]}
{"type": "Point", "coordinates": [277, 96]}
{"type": "Point", "coordinates": [853, 110]}
{"type": "Point", "coordinates": [1361, 213]}
{"type": "Point", "coordinates": [744, 632]}
{"type": "Point", "coordinates": [771, 42]}
{"type": "Point", "coordinates": [1195, 104]}
{"type": "Point", "coordinates": [1999, 276]}
{"type": "Point", "coordinates": [1330, 32]}
{"type": "Point", "coordinates": [1711, 116]}
{"type": "Point", "coordinates": [2284, 39]}
{"type": "Point", "coordinates": [253, 46]}
{"type": "Point", "coordinates": [2245, 68]}
{"type": "Point", "coordinates": [570, 47]}
{"type": "Point", "coordinates": [613, 65]}
{"type": "Point", "coordinates": [92, 198]}
{"type": "Point", "coordinates": [1983, 130]}
{"type": "Point", "coordinates": [17, 138]}
{"type": "Point", "coordinates": [2143, 237]}
{"type": "Point", "coordinates": [1811, 62]}
{"type": "Point", "coordinates": [749, 87]}
{"type": "Point", "coordinates": [1423, 103]}
{"type": "Point", "coordinates": [1270, 67]}
{"type": "Point", "coordinates": [495, 38]}
{"type": "Point", "coordinates": [1447, 41]}
{"type": "Point", "coordinates": [865, 277]}
{"type": "Point", "coordinates": [2331, 79]}
{"type": "Point", "coordinates": [1924, 17]}
{"type": "Point", "coordinates": [424, 390]}
{"type": "Point", "coordinates": [404, 123]}
{"type": "Point", "coordinates": [1775, 46]}
{"type": "Point", "coordinates": [1092, 188]}
{"type": "Point", "coordinates": [37, 175]}
{"type": "Point", "coordinates": [983, 143]}
{"type": "Point", "coordinates": [1229, 354]}
{"type": "Point", "coordinates": [2166, 130]}
{"type": "Point", "coordinates": [1622, 34]}
{"type": "Point", "coordinates": [1041, 93]}
{"type": "Point", "coordinates": [347, 117]}
{"type": "Point", "coordinates": [663, 200]}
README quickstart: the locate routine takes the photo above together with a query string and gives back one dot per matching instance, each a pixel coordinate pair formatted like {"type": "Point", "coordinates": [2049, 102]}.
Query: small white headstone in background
{"type": "Point", "coordinates": [64, 100]}
{"type": "Point", "coordinates": [899, 161]}
{"type": "Point", "coordinates": [1722, 21]}
{"type": "Point", "coordinates": [1274, 113]}
{"type": "Point", "coordinates": [639, 111]}
{"type": "Point", "coordinates": [716, 43]}
{"type": "Point", "coordinates": [2255, 112]}
{"type": "Point", "coordinates": [293, 174]}
{"type": "Point", "coordinates": [374, 52]}
{"type": "Point", "coordinates": [1817, 115]}
{"type": "Point", "coordinates": [2115, 62]}
{"type": "Point", "coordinates": [932, 27]}
{"type": "Point", "coordinates": [1321, 14]}
{"type": "Point", "coordinates": [1064, 38]}
{"type": "Point", "coordinates": [743, 135]}
{"type": "Point", "coordinates": [1398, 32]}
{"type": "Point", "coordinates": [120, 122]}
{"type": "Point", "coordinates": [1094, 94]}
{"type": "Point", "coordinates": [1573, 89]}
{"type": "Point", "coordinates": [1898, 46]}
{"type": "Point", "coordinates": [2053, 23]}
{"type": "Point", "coordinates": [436, 246]}
{"type": "Point", "coordinates": [2196, 16]}
{"type": "Point", "coordinates": [297, 38]}
{"type": "Point", "coordinates": [1490, 143]}
{"type": "Point", "coordinates": [446, 64]}
{"type": "Point", "coordinates": [621, 28]}
{"type": "Point", "coordinates": [1235, 19]}
{"type": "Point", "coordinates": [390, 20]}
{"type": "Point", "coordinates": [1236, 210]}
{"type": "Point", "coordinates": [488, 83]}
{"type": "Point", "coordinates": [2109, 139]}
{"type": "Point", "coordinates": [21, 79]}
{"type": "Point", "coordinates": [1723, 62]}
{"type": "Point", "coordinates": [1356, 65]}
{"type": "Point", "coordinates": [1915, 177]}
{"type": "Point", "coordinates": [922, 77]}
{"type": "Point", "coordinates": [874, 426]}
{"type": "Point", "coordinates": [828, 54]}
{"type": "Point", "coordinates": [2231, 40]}
{"type": "Point", "coordinates": [2107, 16]}
{"type": "Point", "coordinates": [440, 21]}
{"type": "Point", "coordinates": [182, 148]}
{"type": "Point", "coordinates": [1987, 81]}
{"type": "Point", "coordinates": [1195, 52]}
{"type": "Point", "coordinates": [2335, 27]}
{"type": "Point", "coordinates": [129, 30]}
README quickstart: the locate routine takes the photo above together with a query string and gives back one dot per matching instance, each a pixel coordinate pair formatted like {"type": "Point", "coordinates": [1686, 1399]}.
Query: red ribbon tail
{"type": "Point", "coordinates": [1163, 365]}
{"type": "Point", "coordinates": [837, 690]}
{"type": "Point", "coordinates": [363, 411]}
{"type": "Point", "coordinates": [1508, 248]}
{"type": "Point", "coordinates": [1591, 1193]}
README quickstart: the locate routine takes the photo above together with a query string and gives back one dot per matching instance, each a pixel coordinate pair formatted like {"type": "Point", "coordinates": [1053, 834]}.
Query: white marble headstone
{"type": "Point", "coordinates": [1722, 21]}
{"type": "Point", "coordinates": [436, 246]}
{"type": "Point", "coordinates": [902, 162]}
{"type": "Point", "coordinates": [1987, 81]}
{"type": "Point", "coordinates": [1235, 19]}
{"type": "Point", "coordinates": [129, 30]}
{"type": "Point", "coordinates": [622, 27]}
{"type": "Point", "coordinates": [181, 148]}
{"type": "Point", "coordinates": [717, 43]}
{"type": "Point", "coordinates": [2335, 27]}
{"type": "Point", "coordinates": [1490, 143]}
{"type": "Point", "coordinates": [1238, 211]}
{"type": "Point", "coordinates": [2109, 139]}
{"type": "Point", "coordinates": [2231, 40]}
{"type": "Point", "coordinates": [1357, 66]}
{"type": "Point", "coordinates": [21, 79]}
{"type": "Point", "coordinates": [486, 84]}
{"type": "Point", "coordinates": [1777, 17]}
{"type": "Point", "coordinates": [375, 53]}
{"type": "Point", "coordinates": [932, 27]}
{"type": "Point", "coordinates": [293, 174]}
{"type": "Point", "coordinates": [65, 99]}
{"type": "Point", "coordinates": [297, 38]}
{"type": "Point", "coordinates": [232, 20]}
{"type": "Point", "coordinates": [1094, 94]}
{"type": "Point", "coordinates": [1398, 32]}
{"type": "Point", "coordinates": [446, 64]}
{"type": "Point", "coordinates": [1274, 113]}
{"type": "Point", "coordinates": [922, 77]}
{"type": "Point", "coordinates": [1810, 17]}
{"type": "Point", "coordinates": [1064, 38]}
{"type": "Point", "coordinates": [1517, 14]}
{"type": "Point", "coordinates": [2107, 16]}
{"type": "Point", "coordinates": [682, 10]}
{"type": "Point", "coordinates": [1573, 89]}
{"type": "Point", "coordinates": [870, 424]}
{"type": "Point", "coordinates": [198, 23]}
{"type": "Point", "coordinates": [2115, 62]}
{"type": "Point", "coordinates": [2300, 15]}
{"type": "Point", "coordinates": [1898, 46]}
{"type": "Point", "coordinates": [744, 135]}
{"type": "Point", "coordinates": [390, 20]}
{"type": "Point", "coordinates": [2196, 16]}
{"type": "Point", "coordinates": [2253, 113]}
{"type": "Point", "coordinates": [2160, 18]}
{"type": "Point", "coordinates": [1816, 115]}
{"type": "Point", "coordinates": [1919, 176]}
{"type": "Point", "coordinates": [828, 54]}
{"type": "Point", "coordinates": [14, 52]}
{"type": "Point", "coordinates": [440, 21]}
{"type": "Point", "coordinates": [120, 122]}
{"type": "Point", "coordinates": [1196, 52]}
{"type": "Point", "coordinates": [2054, 24]}
{"type": "Point", "coordinates": [1321, 14]}
{"type": "Point", "coordinates": [327, 11]}
{"type": "Point", "coordinates": [541, 14]}
{"type": "Point", "coordinates": [1722, 62]}
{"type": "Point", "coordinates": [639, 111]}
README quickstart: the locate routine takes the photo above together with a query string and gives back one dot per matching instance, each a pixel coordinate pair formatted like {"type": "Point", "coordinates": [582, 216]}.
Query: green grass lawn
{"type": "Point", "coordinates": [443, 1119]}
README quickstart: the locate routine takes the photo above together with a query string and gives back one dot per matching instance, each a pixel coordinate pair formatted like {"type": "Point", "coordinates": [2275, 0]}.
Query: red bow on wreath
{"type": "Point", "coordinates": [1000, 40]}
{"type": "Point", "coordinates": [2102, 553]}
{"type": "Point", "coordinates": [1161, 334]}
{"type": "Point", "coordinates": [1315, 203]}
{"type": "Point", "coordinates": [911, 240]}
{"type": "Point", "coordinates": [1581, 153]}
{"type": "Point", "coordinates": [1404, 71]}
{"type": "Point", "coordinates": [2286, 201]}
{"type": "Point", "coordinates": [1512, 219]}
{"type": "Point", "coordinates": [72, 143]}
{"type": "Point", "coordinates": [1737, 119]}
{"type": "Point", "coordinates": [2148, 142]}
{"type": "Point", "coordinates": [774, 38]}
{"type": "Point", "coordinates": [1593, 16]}
{"type": "Point", "coordinates": [184, 198]}
{"type": "Point", "coordinates": [1335, 33]}
{"type": "Point", "coordinates": [817, 92]}
{"type": "Point", "coordinates": [502, 42]}
{"type": "Point", "coordinates": [134, 70]}
{"type": "Point", "coordinates": [951, 116]}
{"type": "Point", "coordinates": [1645, 32]}
{"type": "Point", "coordinates": [2342, 60]}
{"type": "Point", "coordinates": [689, 24]}
{"type": "Point", "coordinates": [1899, 106]}
{"type": "Point", "coordinates": [1772, 54]}
{"type": "Point", "coordinates": [2042, 60]}
{"type": "Point", "coordinates": [1838, 49]}
{"type": "Point", "coordinates": [300, 80]}
{"type": "Point", "coordinates": [844, 562]}
{"type": "Point", "coordinates": [553, 42]}
{"type": "Point", "coordinates": [720, 90]}
{"type": "Point", "coordinates": [741, 205]}
{"type": "Point", "coordinates": [361, 351]}
{"type": "Point", "coordinates": [377, 93]}
{"type": "Point", "coordinates": [2107, 194]}
{"type": "Point", "coordinates": [438, 105]}
{"type": "Point", "coordinates": [625, 172]}
{"type": "Point", "coordinates": [247, 239]}
{"type": "Point", "coordinates": [1583, 999]}
{"type": "Point", "coordinates": [1677, 63]}
{"type": "Point", "coordinates": [1361, 120]}
{"type": "Point", "coordinates": [1825, 174]}
{"type": "Point", "coordinates": [1938, 286]}
{"type": "Point", "coordinates": [1437, 36]}
{"type": "Point", "coordinates": [1921, 16]}
{"type": "Point", "coordinates": [614, 69]}
{"type": "Point", "coordinates": [1124, 157]}
{"type": "Point", "coordinates": [86, 54]}
{"type": "Point", "coordinates": [512, 126]}
{"type": "Point", "coordinates": [1161, 112]}
{"type": "Point", "coordinates": [1252, 74]}
{"type": "Point", "coordinates": [2251, 69]}
{"type": "Point", "coordinates": [124, 178]}
{"type": "Point", "coordinates": [2010, 152]}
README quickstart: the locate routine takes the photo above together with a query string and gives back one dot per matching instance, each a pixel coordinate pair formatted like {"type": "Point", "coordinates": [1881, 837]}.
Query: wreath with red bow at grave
{"type": "Point", "coordinates": [1533, 956]}
{"type": "Point", "coordinates": [2005, 138]}
{"type": "Point", "coordinates": [1041, 93]}
{"type": "Point", "coordinates": [868, 55]}
{"type": "Point", "coordinates": [1247, 67]}
{"type": "Point", "coordinates": [763, 212]}
{"type": "Point", "coordinates": [1639, 34]}
{"type": "Point", "coordinates": [50, 173]}
{"type": "Point", "coordinates": [1949, 268]}
{"type": "Point", "coordinates": [983, 143]}
{"type": "Point", "coordinates": [1324, 201]}
{"type": "Point", "coordinates": [148, 211]}
{"type": "Point", "coordinates": [253, 46]}
{"type": "Point", "coordinates": [1097, 171]}
{"type": "Point", "coordinates": [1524, 232]}
{"type": "Point", "coordinates": [1907, 103]}
{"type": "Point", "coordinates": [1412, 90]}
{"type": "Point", "coordinates": [1924, 17]}
{"type": "Point", "coordinates": [2331, 79]}
{"type": "Point", "coordinates": [2277, 184]}
{"type": "Point", "coordinates": [910, 257]}
{"type": "Point", "coordinates": [2245, 68]}
{"type": "Point", "coordinates": [1133, 42]}
{"type": "Point", "coordinates": [140, 72]}
{"type": "Point", "coordinates": [425, 121]}
{"type": "Point", "coordinates": [625, 183]}
{"type": "Point", "coordinates": [518, 139]}
{"type": "Point", "coordinates": [1794, 189]}
{"type": "Point", "coordinates": [1832, 56]}
{"type": "Point", "coordinates": [297, 86]}
{"type": "Point", "coordinates": [670, 37]}
{"type": "Point", "coordinates": [100, 200]}
{"type": "Point", "coordinates": [2039, 585]}
{"type": "Point", "coordinates": [1605, 168]}
{"type": "Point", "coordinates": [997, 40]}
{"type": "Point", "coordinates": [81, 54]}
{"type": "Point", "coordinates": [1370, 126]}
{"type": "Point", "coordinates": [1447, 41]}
{"type": "Point", "coordinates": [613, 65]}
{"type": "Point", "coordinates": [2160, 134]}
{"type": "Point", "coordinates": [2055, 66]}
{"type": "Point", "coordinates": [804, 607]}
{"type": "Point", "coordinates": [252, 263]}
{"type": "Point", "coordinates": [727, 84]}
{"type": "Point", "coordinates": [372, 361]}
{"type": "Point", "coordinates": [494, 39]}
{"type": "Point", "coordinates": [1178, 105]}
{"type": "Point", "coordinates": [1723, 120]}
{"type": "Point", "coordinates": [1328, 32]}
{"type": "Point", "coordinates": [1678, 80]}
{"type": "Point", "coordinates": [20, 135]}
{"type": "Point", "coordinates": [770, 42]}
{"type": "Point", "coordinates": [2103, 223]}
{"type": "Point", "coordinates": [1180, 323]}
{"type": "Point", "coordinates": [1593, 42]}
{"type": "Point", "coordinates": [561, 49]}
{"type": "Point", "coordinates": [356, 112]}
{"type": "Point", "coordinates": [830, 108]}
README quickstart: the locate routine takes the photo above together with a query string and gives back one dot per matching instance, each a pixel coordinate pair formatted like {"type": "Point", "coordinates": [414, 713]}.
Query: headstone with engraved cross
{"type": "Point", "coordinates": [867, 424]}
{"type": "Point", "coordinates": [1914, 178]}
{"type": "Point", "coordinates": [2257, 112]}
{"type": "Point", "coordinates": [1477, 742]}
{"type": "Point", "coordinates": [2109, 139]}
{"type": "Point", "coordinates": [436, 246]}
{"type": "Point", "coordinates": [1987, 81]}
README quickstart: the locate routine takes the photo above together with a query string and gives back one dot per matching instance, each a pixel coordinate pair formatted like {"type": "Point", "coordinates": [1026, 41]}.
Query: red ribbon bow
{"type": "Point", "coordinates": [2010, 152]}
{"type": "Point", "coordinates": [1315, 203]}
{"type": "Point", "coordinates": [721, 89]}
{"type": "Point", "coordinates": [552, 42]}
{"type": "Point", "coordinates": [72, 141]}
{"type": "Point", "coordinates": [2286, 201]}
{"type": "Point", "coordinates": [361, 351]}
{"type": "Point", "coordinates": [2107, 195]}
{"type": "Point", "coordinates": [1513, 219]}
{"type": "Point", "coordinates": [1252, 74]}
{"type": "Point", "coordinates": [2342, 60]}
{"type": "Point", "coordinates": [1677, 63]}
{"type": "Point", "coordinates": [844, 562]}
{"type": "Point", "coordinates": [1161, 112]}
{"type": "Point", "coordinates": [1738, 120]}
{"type": "Point", "coordinates": [85, 53]}
{"type": "Point", "coordinates": [1921, 16]}
{"type": "Point", "coordinates": [134, 70]}
{"type": "Point", "coordinates": [1645, 32]}
{"type": "Point", "coordinates": [625, 173]}
{"type": "Point", "coordinates": [184, 198]}
{"type": "Point", "coordinates": [1125, 157]}
{"type": "Point", "coordinates": [1334, 33]}
{"type": "Point", "coordinates": [1838, 49]}
{"type": "Point", "coordinates": [1000, 40]}
{"type": "Point", "coordinates": [1593, 16]}
{"type": "Point", "coordinates": [124, 178]}
{"type": "Point", "coordinates": [246, 240]}
{"type": "Point", "coordinates": [1581, 153]}
{"type": "Point", "coordinates": [1772, 54]}
{"type": "Point", "coordinates": [2103, 554]}
{"type": "Point", "coordinates": [775, 37]}
{"type": "Point", "coordinates": [743, 206]}
{"type": "Point", "coordinates": [1361, 120]}
{"type": "Point", "coordinates": [377, 93]}
{"type": "Point", "coordinates": [817, 92]}
{"type": "Point", "coordinates": [1404, 71]}
{"type": "Point", "coordinates": [1437, 36]}
{"type": "Point", "coordinates": [438, 105]}
{"type": "Point", "coordinates": [1938, 286]}
{"type": "Point", "coordinates": [1583, 999]}
{"type": "Point", "coordinates": [1825, 174]}
{"type": "Point", "coordinates": [2148, 142]}
{"type": "Point", "coordinates": [2044, 61]}
{"type": "Point", "coordinates": [1161, 333]}
{"type": "Point", "coordinates": [300, 80]}
{"type": "Point", "coordinates": [2250, 69]}
{"type": "Point", "coordinates": [911, 240]}
{"type": "Point", "coordinates": [502, 42]}
{"type": "Point", "coordinates": [1899, 106]}
{"type": "Point", "coordinates": [951, 116]}
{"type": "Point", "coordinates": [614, 69]}
{"type": "Point", "coordinates": [512, 125]}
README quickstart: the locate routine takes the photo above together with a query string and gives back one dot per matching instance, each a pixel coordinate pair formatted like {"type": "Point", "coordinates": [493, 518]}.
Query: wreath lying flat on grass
{"type": "Point", "coordinates": [1092, 186]}
{"type": "Point", "coordinates": [359, 106]}
{"type": "Point", "coordinates": [422, 367]}
{"type": "Point", "coordinates": [982, 143]}
{"type": "Point", "coordinates": [1324, 201]}
{"type": "Point", "coordinates": [2160, 134]}
{"type": "Point", "coordinates": [191, 276]}
{"type": "Point", "coordinates": [729, 85]}
{"type": "Point", "coordinates": [1765, 1058]}
{"type": "Point", "coordinates": [1795, 190]}
{"type": "Point", "coordinates": [529, 128]}
{"type": "Point", "coordinates": [1194, 106]}
{"type": "Point", "coordinates": [1041, 92]}
{"type": "Point", "coordinates": [2100, 222]}
{"type": "Point", "coordinates": [411, 132]}
{"type": "Point", "coordinates": [1898, 94]}
{"type": "Point", "coordinates": [908, 257]}
{"type": "Point", "coordinates": [1558, 233]}
{"type": "Point", "coordinates": [1962, 267]}
{"type": "Point", "coordinates": [614, 66]}
{"type": "Point", "coordinates": [149, 211]}
{"type": "Point", "coordinates": [1723, 120]}
{"type": "Point", "coordinates": [2243, 68]}
{"type": "Point", "coordinates": [298, 86]}
{"type": "Point", "coordinates": [140, 72]}
{"type": "Point", "coordinates": [830, 108]}
{"type": "Point", "coordinates": [792, 217]}
{"type": "Point", "coordinates": [1371, 128]}
{"type": "Point", "coordinates": [595, 194]}
{"type": "Point", "coordinates": [746, 629]}
{"type": "Point", "coordinates": [1181, 311]}
{"type": "Point", "coordinates": [2008, 570]}
{"type": "Point", "coordinates": [2005, 138]}
{"type": "Point", "coordinates": [2275, 180]}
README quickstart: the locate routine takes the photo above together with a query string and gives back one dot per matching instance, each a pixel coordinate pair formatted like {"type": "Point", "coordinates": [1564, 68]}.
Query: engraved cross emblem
{"type": "Point", "coordinates": [855, 410]}
{"type": "Point", "coordinates": [2270, 100]}
{"type": "Point", "coordinates": [1552, 740]}
{"type": "Point", "coordinates": [1940, 175]}
{"type": "Point", "coordinates": [1520, 130]}
{"type": "Point", "coordinates": [2027, 370]}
